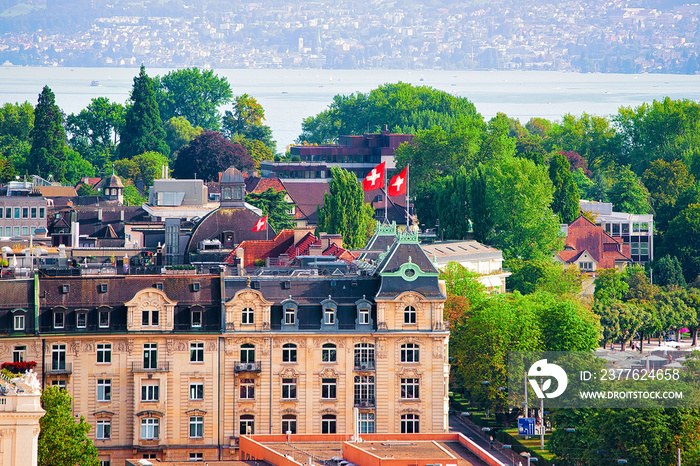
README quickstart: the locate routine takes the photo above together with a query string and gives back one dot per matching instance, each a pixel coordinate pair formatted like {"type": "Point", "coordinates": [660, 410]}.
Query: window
{"type": "Point", "coordinates": [104, 390]}
{"type": "Point", "coordinates": [410, 352]}
{"type": "Point", "coordinates": [19, 354]}
{"type": "Point", "coordinates": [615, 229]}
{"type": "Point", "coordinates": [58, 357]}
{"type": "Point", "coordinates": [104, 353]}
{"type": "Point", "coordinates": [328, 424]}
{"type": "Point", "coordinates": [33, 212]}
{"type": "Point", "coordinates": [196, 319]}
{"type": "Point", "coordinates": [586, 266]}
{"type": "Point", "coordinates": [366, 421]}
{"type": "Point", "coordinates": [196, 352]}
{"type": "Point", "coordinates": [65, 289]}
{"type": "Point", "coordinates": [104, 319]}
{"type": "Point", "coordinates": [104, 462]}
{"type": "Point", "coordinates": [290, 315]}
{"type": "Point", "coordinates": [149, 392]}
{"type": "Point", "coordinates": [329, 316]}
{"type": "Point", "coordinates": [247, 424]}
{"type": "Point", "coordinates": [247, 389]}
{"type": "Point", "coordinates": [59, 383]}
{"type": "Point", "coordinates": [102, 288]}
{"type": "Point", "coordinates": [196, 456]}
{"type": "Point", "coordinates": [289, 389]}
{"type": "Point", "coordinates": [644, 249]}
{"type": "Point", "coordinates": [289, 352]}
{"type": "Point", "coordinates": [81, 320]}
{"type": "Point", "coordinates": [409, 424]}
{"type": "Point", "coordinates": [8, 212]}
{"type": "Point", "coordinates": [25, 231]}
{"type": "Point", "coordinates": [19, 322]}
{"type": "Point", "coordinates": [196, 427]}
{"type": "Point", "coordinates": [409, 315]}
{"type": "Point", "coordinates": [328, 389]}
{"type": "Point", "coordinates": [289, 424]}
{"type": "Point", "coordinates": [17, 212]}
{"type": "Point", "coordinates": [634, 249]}
{"type": "Point", "coordinates": [103, 430]}
{"type": "Point", "coordinates": [196, 391]}
{"type": "Point", "coordinates": [150, 427]}
{"type": "Point", "coordinates": [59, 319]}
{"type": "Point", "coordinates": [195, 287]}
{"type": "Point", "coordinates": [363, 318]}
{"type": "Point", "coordinates": [149, 456]}
{"type": "Point", "coordinates": [247, 352]}
{"type": "Point", "coordinates": [247, 316]}
{"type": "Point", "coordinates": [8, 231]}
{"type": "Point", "coordinates": [364, 390]}
{"type": "Point", "coordinates": [409, 389]}
{"type": "Point", "coordinates": [25, 212]}
{"type": "Point", "coordinates": [149, 318]}
{"type": "Point", "coordinates": [16, 229]}
{"type": "Point", "coordinates": [159, 285]}
{"type": "Point", "coordinates": [42, 212]}
{"type": "Point", "coordinates": [364, 356]}
{"type": "Point", "coordinates": [150, 355]}
{"type": "Point", "coordinates": [328, 352]}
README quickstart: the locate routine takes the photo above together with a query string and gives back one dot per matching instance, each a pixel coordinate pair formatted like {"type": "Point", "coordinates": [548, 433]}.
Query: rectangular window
{"type": "Point", "coordinates": [19, 354]}
{"type": "Point", "coordinates": [289, 424]}
{"type": "Point", "coordinates": [103, 430]}
{"type": "Point", "coordinates": [81, 320]}
{"type": "Point", "coordinates": [586, 266]}
{"type": "Point", "coordinates": [8, 212]}
{"type": "Point", "coordinates": [8, 231]}
{"type": "Point", "coordinates": [329, 316]}
{"type": "Point", "coordinates": [410, 352]}
{"type": "Point", "coordinates": [104, 390]}
{"type": "Point", "coordinates": [104, 319]}
{"type": "Point", "coordinates": [19, 322]}
{"type": "Point", "coordinates": [196, 427]}
{"type": "Point", "coordinates": [196, 391]}
{"type": "Point", "coordinates": [150, 318]}
{"type": "Point", "coordinates": [247, 389]}
{"type": "Point", "coordinates": [364, 390]}
{"type": "Point", "coordinates": [150, 428]}
{"type": "Point", "coordinates": [364, 316]}
{"type": "Point", "coordinates": [59, 319]}
{"type": "Point", "coordinates": [615, 229]}
{"type": "Point", "coordinates": [196, 352]}
{"type": "Point", "coordinates": [196, 456]}
{"type": "Point", "coordinates": [289, 316]}
{"type": "Point", "coordinates": [366, 421]}
{"type": "Point", "coordinates": [104, 353]}
{"type": "Point", "coordinates": [33, 212]}
{"type": "Point", "coordinates": [634, 249]}
{"type": "Point", "coordinates": [409, 315]}
{"type": "Point", "coordinates": [25, 231]}
{"type": "Point", "coordinates": [289, 389]}
{"type": "Point", "coordinates": [328, 389]}
{"type": "Point", "coordinates": [409, 389]}
{"type": "Point", "coordinates": [42, 212]}
{"type": "Point", "coordinates": [644, 249]}
{"type": "Point", "coordinates": [59, 383]}
{"type": "Point", "coordinates": [328, 424]}
{"type": "Point", "coordinates": [104, 462]}
{"type": "Point", "coordinates": [17, 212]}
{"type": "Point", "coordinates": [248, 316]}
{"type": "Point", "coordinates": [196, 319]}
{"type": "Point", "coordinates": [149, 392]}
{"type": "Point", "coordinates": [247, 424]}
{"type": "Point", "coordinates": [58, 357]}
{"type": "Point", "coordinates": [25, 212]}
{"type": "Point", "coordinates": [150, 355]}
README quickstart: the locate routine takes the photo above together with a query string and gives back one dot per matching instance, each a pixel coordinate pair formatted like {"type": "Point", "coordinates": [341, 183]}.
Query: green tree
{"type": "Point", "coordinates": [519, 195]}
{"type": "Point", "coordinates": [683, 241]}
{"type": "Point", "coordinates": [453, 206]}
{"type": "Point", "coordinates": [668, 272]}
{"type": "Point", "coordinates": [76, 166]}
{"type": "Point", "coordinates": [543, 275]}
{"type": "Point", "coordinates": [143, 128]}
{"type": "Point", "coordinates": [132, 196]}
{"type": "Point", "coordinates": [94, 132]}
{"type": "Point", "coordinates": [63, 441]}
{"type": "Point", "coordinates": [666, 181]}
{"type": "Point", "coordinates": [610, 285]}
{"type": "Point", "coordinates": [209, 154]}
{"type": "Point", "coordinates": [592, 137]}
{"type": "Point", "coordinates": [257, 150]}
{"type": "Point", "coordinates": [46, 156]}
{"type": "Point", "coordinates": [16, 124]}
{"type": "Point", "coordinates": [566, 324]}
{"type": "Point", "coordinates": [627, 193]}
{"type": "Point", "coordinates": [566, 195]}
{"type": "Point", "coordinates": [178, 133]}
{"type": "Point", "coordinates": [344, 211]}
{"type": "Point", "coordinates": [274, 205]}
{"type": "Point", "coordinates": [194, 94]}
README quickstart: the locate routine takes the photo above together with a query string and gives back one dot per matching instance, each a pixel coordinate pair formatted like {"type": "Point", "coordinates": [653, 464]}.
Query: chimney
{"type": "Point", "coordinates": [99, 215]}
{"type": "Point", "coordinates": [240, 255]}
{"type": "Point", "coordinates": [121, 215]}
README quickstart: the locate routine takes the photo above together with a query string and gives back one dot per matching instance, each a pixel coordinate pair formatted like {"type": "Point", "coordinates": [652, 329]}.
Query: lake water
{"type": "Point", "coordinates": [289, 96]}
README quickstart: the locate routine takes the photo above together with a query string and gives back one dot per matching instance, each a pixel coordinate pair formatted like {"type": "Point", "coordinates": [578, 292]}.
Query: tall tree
{"type": "Point", "coordinates": [566, 195]}
{"type": "Point", "coordinates": [683, 241]}
{"type": "Point", "coordinates": [668, 272]}
{"type": "Point", "coordinates": [274, 205]}
{"type": "Point", "coordinates": [209, 154]}
{"type": "Point", "coordinates": [143, 128]}
{"type": "Point", "coordinates": [627, 193]}
{"type": "Point", "coordinates": [178, 133]}
{"type": "Point", "coordinates": [665, 182]}
{"type": "Point", "coordinates": [344, 210]}
{"type": "Point", "coordinates": [48, 138]}
{"type": "Point", "coordinates": [194, 94]}
{"type": "Point", "coordinates": [94, 132]}
{"type": "Point", "coordinates": [246, 121]}
{"type": "Point", "coordinates": [63, 441]}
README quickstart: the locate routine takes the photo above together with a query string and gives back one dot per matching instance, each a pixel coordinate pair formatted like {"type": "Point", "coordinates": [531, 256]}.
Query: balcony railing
{"type": "Point", "coordinates": [247, 366]}
{"type": "Point", "coordinates": [60, 368]}
{"type": "Point", "coordinates": [364, 402]}
{"type": "Point", "coordinates": [163, 366]}
{"type": "Point", "coordinates": [364, 365]}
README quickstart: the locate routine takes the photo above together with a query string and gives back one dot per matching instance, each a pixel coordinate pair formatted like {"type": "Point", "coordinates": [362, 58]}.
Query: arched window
{"type": "Point", "coordinates": [328, 352]}
{"type": "Point", "coordinates": [409, 315]}
{"type": "Point", "coordinates": [247, 424]}
{"type": "Point", "coordinates": [328, 425]}
{"type": "Point", "coordinates": [289, 352]}
{"type": "Point", "coordinates": [409, 424]}
{"type": "Point", "coordinates": [289, 424]}
{"type": "Point", "coordinates": [247, 352]}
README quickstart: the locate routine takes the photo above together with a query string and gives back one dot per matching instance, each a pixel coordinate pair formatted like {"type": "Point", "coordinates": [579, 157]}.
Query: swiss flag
{"type": "Point", "coordinates": [375, 178]}
{"type": "Point", "coordinates": [261, 225]}
{"type": "Point", "coordinates": [397, 186]}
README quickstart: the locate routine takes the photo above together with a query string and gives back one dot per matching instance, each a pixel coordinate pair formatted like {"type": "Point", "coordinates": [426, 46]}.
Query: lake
{"type": "Point", "coordinates": [289, 96]}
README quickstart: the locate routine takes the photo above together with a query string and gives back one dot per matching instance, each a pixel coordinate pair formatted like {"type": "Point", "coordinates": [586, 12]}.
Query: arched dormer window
{"type": "Point", "coordinates": [289, 315]}
{"type": "Point", "coordinates": [330, 314]}
{"type": "Point", "coordinates": [364, 314]}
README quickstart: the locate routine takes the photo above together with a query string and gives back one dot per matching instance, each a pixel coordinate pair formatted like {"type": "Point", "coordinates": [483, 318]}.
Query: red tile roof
{"type": "Point", "coordinates": [260, 185]}
{"type": "Point", "coordinates": [307, 196]}
{"type": "Point", "coordinates": [583, 235]}
{"type": "Point", "coordinates": [262, 249]}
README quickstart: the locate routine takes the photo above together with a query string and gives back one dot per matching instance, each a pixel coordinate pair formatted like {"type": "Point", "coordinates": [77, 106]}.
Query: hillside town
{"type": "Point", "coordinates": [611, 36]}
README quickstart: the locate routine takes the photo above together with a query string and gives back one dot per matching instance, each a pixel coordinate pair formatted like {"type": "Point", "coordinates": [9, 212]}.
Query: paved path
{"type": "Point", "coordinates": [459, 424]}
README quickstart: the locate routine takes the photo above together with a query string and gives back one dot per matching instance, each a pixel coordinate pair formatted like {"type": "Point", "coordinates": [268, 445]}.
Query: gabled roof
{"type": "Point", "coordinates": [307, 196]}
{"type": "Point", "coordinates": [262, 249]}
{"type": "Point", "coordinates": [254, 184]}
{"type": "Point", "coordinates": [584, 235]}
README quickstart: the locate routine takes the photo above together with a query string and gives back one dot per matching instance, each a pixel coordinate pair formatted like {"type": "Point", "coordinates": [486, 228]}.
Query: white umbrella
{"type": "Point", "coordinates": [673, 343]}
{"type": "Point", "coordinates": [654, 358]}
{"type": "Point", "coordinates": [662, 348]}
{"type": "Point", "coordinates": [674, 364]}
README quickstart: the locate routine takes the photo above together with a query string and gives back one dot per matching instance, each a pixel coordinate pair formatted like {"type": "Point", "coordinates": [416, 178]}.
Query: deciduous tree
{"type": "Point", "coordinates": [94, 132]}
{"type": "Point", "coordinates": [209, 154]}
{"type": "Point", "coordinates": [178, 133]}
{"type": "Point", "coordinates": [566, 195]}
{"type": "Point", "coordinates": [627, 193]}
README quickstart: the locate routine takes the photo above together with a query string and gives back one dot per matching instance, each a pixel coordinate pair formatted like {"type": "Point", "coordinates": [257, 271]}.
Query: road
{"type": "Point", "coordinates": [459, 424]}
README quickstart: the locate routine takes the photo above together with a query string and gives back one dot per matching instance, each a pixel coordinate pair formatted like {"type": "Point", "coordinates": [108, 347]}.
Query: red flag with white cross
{"type": "Point", "coordinates": [374, 179]}
{"type": "Point", "coordinates": [261, 224]}
{"type": "Point", "coordinates": [397, 185]}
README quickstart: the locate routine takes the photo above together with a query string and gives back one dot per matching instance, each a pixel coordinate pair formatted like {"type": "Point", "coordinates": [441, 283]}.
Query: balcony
{"type": "Point", "coordinates": [247, 366]}
{"type": "Point", "coordinates": [364, 402]}
{"type": "Point", "coordinates": [60, 368]}
{"type": "Point", "coordinates": [364, 365]}
{"type": "Point", "coordinates": [163, 366]}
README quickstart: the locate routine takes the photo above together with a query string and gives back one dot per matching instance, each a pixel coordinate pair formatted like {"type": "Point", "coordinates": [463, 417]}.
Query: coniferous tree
{"type": "Point", "coordinates": [143, 129]}
{"type": "Point", "coordinates": [273, 205]}
{"type": "Point", "coordinates": [566, 195]}
{"type": "Point", "coordinates": [344, 210]}
{"type": "Point", "coordinates": [46, 156]}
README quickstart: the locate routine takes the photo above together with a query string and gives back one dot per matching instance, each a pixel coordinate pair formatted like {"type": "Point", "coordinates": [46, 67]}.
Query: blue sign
{"type": "Point", "coordinates": [526, 426]}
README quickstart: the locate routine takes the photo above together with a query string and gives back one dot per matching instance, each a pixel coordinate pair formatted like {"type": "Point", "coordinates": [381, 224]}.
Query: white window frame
{"type": "Point", "coordinates": [289, 353]}
{"type": "Point", "coordinates": [363, 318]}
{"type": "Point", "coordinates": [410, 353]}
{"type": "Point", "coordinates": [196, 426]}
{"type": "Point", "coordinates": [197, 321]}
{"type": "Point", "coordinates": [248, 316]}
{"type": "Point", "coordinates": [290, 316]}
{"type": "Point", "coordinates": [289, 389]}
{"type": "Point", "coordinates": [150, 428]}
{"type": "Point", "coordinates": [150, 392]}
{"type": "Point", "coordinates": [197, 352]}
{"type": "Point", "coordinates": [196, 391]}
{"type": "Point", "coordinates": [19, 353]}
{"type": "Point", "coordinates": [410, 316]}
{"type": "Point", "coordinates": [59, 323]}
{"type": "Point", "coordinates": [329, 316]}
{"type": "Point", "coordinates": [19, 322]}
{"type": "Point", "coordinates": [329, 352]}
{"type": "Point", "coordinates": [104, 390]}
{"type": "Point", "coordinates": [329, 388]}
{"type": "Point", "coordinates": [329, 424]}
{"type": "Point", "coordinates": [410, 423]}
{"type": "Point", "coordinates": [150, 350]}
{"type": "Point", "coordinates": [410, 389]}
{"type": "Point", "coordinates": [196, 456]}
{"type": "Point", "coordinates": [247, 389]}
{"type": "Point", "coordinates": [289, 423]}
{"type": "Point", "coordinates": [247, 353]}
{"type": "Point", "coordinates": [101, 323]}
{"type": "Point", "coordinates": [103, 430]}
{"type": "Point", "coordinates": [78, 316]}
{"type": "Point", "coordinates": [150, 318]}
{"type": "Point", "coordinates": [366, 422]}
{"type": "Point", "coordinates": [104, 353]}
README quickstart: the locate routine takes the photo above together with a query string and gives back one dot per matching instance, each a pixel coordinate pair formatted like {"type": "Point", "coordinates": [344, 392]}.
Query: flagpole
{"type": "Point", "coordinates": [408, 215]}
{"type": "Point", "coordinates": [386, 196]}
